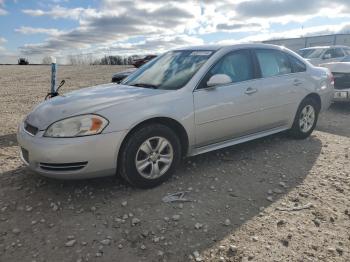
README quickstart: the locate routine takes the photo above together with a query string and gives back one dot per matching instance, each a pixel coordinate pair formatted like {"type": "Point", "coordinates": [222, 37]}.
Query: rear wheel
{"type": "Point", "coordinates": [150, 156]}
{"type": "Point", "coordinates": [306, 119]}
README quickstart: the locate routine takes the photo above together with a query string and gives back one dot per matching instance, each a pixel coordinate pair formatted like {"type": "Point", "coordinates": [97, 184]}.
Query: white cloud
{"type": "Point", "coordinates": [61, 12]}
{"type": "Point", "coordinates": [168, 24]}
{"type": "Point", "coordinates": [35, 30]}
{"type": "Point", "coordinates": [2, 42]}
{"type": "Point", "coordinates": [3, 12]}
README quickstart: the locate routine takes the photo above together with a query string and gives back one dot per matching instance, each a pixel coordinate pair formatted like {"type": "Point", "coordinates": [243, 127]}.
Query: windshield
{"type": "Point", "coordinates": [311, 53]}
{"type": "Point", "coordinates": [171, 71]}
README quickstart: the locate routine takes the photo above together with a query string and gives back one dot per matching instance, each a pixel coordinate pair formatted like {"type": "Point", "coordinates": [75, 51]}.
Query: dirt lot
{"type": "Point", "coordinates": [274, 199]}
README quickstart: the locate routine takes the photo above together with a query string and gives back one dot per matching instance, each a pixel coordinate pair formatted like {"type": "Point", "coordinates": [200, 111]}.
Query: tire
{"type": "Point", "coordinates": [154, 166]}
{"type": "Point", "coordinates": [303, 126]}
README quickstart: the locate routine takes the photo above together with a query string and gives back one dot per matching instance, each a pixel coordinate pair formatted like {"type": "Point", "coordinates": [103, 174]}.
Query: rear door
{"type": "Point", "coordinates": [278, 94]}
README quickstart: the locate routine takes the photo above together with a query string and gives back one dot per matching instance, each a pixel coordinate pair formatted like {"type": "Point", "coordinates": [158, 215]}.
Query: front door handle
{"type": "Point", "coordinates": [250, 91]}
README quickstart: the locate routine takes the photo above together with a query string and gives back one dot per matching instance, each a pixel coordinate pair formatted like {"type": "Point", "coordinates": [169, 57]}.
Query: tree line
{"type": "Point", "coordinates": [89, 59]}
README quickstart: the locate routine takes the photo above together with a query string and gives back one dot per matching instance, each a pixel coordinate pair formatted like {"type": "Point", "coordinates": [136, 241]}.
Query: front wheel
{"type": "Point", "coordinates": [150, 156]}
{"type": "Point", "coordinates": [305, 120]}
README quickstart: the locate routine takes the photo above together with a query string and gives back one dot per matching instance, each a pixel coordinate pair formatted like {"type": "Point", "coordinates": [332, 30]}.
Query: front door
{"type": "Point", "coordinates": [228, 111]}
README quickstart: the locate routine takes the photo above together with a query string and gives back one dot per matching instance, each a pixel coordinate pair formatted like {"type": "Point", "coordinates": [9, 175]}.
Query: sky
{"type": "Point", "coordinates": [66, 28]}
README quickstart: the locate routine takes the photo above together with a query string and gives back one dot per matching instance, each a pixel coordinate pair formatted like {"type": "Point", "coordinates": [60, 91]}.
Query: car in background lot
{"type": "Point", "coordinates": [324, 54]}
{"type": "Point", "coordinates": [140, 62]}
{"type": "Point", "coordinates": [187, 102]}
{"type": "Point", "coordinates": [120, 76]}
{"type": "Point", "coordinates": [341, 74]}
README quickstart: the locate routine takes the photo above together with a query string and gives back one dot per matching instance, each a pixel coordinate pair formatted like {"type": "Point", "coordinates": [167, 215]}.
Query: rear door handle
{"type": "Point", "coordinates": [297, 82]}
{"type": "Point", "coordinates": [250, 91]}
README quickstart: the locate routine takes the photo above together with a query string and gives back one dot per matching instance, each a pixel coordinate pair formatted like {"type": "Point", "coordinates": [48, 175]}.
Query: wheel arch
{"type": "Point", "coordinates": [166, 121]}
{"type": "Point", "coordinates": [316, 97]}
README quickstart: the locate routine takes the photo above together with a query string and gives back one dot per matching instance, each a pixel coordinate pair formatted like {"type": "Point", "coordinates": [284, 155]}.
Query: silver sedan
{"type": "Point", "coordinates": [186, 102]}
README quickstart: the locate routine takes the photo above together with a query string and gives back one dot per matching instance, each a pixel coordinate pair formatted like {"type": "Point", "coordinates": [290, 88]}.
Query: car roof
{"type": "Point", "coordinates": [234, 46]}
{"type": "Point", "coordinates": [325, 47]}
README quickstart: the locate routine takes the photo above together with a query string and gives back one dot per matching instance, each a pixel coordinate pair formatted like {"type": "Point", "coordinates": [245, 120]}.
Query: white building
{"type": "Point", "coordinates": [324, 40]}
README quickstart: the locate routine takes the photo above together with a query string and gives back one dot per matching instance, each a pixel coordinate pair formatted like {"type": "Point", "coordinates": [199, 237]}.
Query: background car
{"type": "Point", "coordinates": [324, 54]}
{"type": "Point", "coordinates": [187, 102]}
{"type": "Point", "coordinates": [140, 62]}
{"type": "Point", "coordinates": [119, 77]}
{"type": "Point", "coordinates": [341, 74]}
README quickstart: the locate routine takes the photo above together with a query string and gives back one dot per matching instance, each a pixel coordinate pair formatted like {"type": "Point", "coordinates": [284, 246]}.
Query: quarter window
{"type": "Point", "coordinates": [273, 63]}
{"type": "Point", "coordinates": [347, 51]}
{"type": "Point", "coordinates": [298, 66]}
{"type": "Point", "coordinates": [237, 65]}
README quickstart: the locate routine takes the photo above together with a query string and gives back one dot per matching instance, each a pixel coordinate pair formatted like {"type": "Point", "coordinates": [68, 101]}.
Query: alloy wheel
{"type": "Point", "coordinates": [154, 157]}
{"type": "Point", "coordinates": [307, 118]}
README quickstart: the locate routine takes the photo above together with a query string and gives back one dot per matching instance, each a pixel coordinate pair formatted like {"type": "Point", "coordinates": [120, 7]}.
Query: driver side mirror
{"type": "Point", "coordinates": [219, 79]}
{"type": "Point", "coordinates": [327, 56]}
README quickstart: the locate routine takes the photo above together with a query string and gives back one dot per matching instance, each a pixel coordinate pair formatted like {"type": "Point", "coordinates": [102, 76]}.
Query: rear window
{"type": "Point", "coordinates": [311, 52]}
{"type": "Point", "coordinates": [273, 62]}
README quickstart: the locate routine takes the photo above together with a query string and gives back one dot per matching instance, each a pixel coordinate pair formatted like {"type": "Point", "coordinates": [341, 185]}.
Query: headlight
{"type": "Point", "coordinates": [84, 125]}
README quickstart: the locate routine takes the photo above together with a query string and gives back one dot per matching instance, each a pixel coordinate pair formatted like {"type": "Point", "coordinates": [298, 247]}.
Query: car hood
{"type": "Point", "coordinates": [338, 67]}
{"type": "Point", "coordinates": [85, 101]}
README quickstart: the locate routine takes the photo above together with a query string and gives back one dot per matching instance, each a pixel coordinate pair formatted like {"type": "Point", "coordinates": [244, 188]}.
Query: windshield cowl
{"type": "Point", "coordinates": [145, 85]}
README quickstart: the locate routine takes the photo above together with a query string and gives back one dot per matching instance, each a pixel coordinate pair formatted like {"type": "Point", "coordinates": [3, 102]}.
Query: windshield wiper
{"type": "Point", "coordinates": [145, 85]}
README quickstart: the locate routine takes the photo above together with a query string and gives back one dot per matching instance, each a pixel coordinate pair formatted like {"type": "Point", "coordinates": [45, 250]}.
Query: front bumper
{"type": "Point", "coordinates": [70, 158]}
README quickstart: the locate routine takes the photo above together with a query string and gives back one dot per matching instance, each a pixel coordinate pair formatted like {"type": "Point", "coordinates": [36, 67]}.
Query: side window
{"type": "Point", "coordinates": [298, 65]}
{"type": "Point", "coordinates": [237, 65]}
{"type": "Point", "coordinates": [333, 53]}
{"type": "Point", "coordinates": [347, 51]}
{"type": "Point", "coordinates": [338, 52]}
{"type": "Point", "coordinates": [273, 63]}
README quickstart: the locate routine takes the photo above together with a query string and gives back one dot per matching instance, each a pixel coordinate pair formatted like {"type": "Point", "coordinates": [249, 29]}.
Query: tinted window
{"type": "Point", "coordinates": [347, 51]}
{"type": "Point", "coordinates": [273, 63]}
{"type": "Point", "coordinates": [346, 59]}
{"type": "Point", "coordinates": [298, 66]}
{"type": "Point", "coordinates": [237, 65]}
{"type": "Point", "coordinates": [334, 53]}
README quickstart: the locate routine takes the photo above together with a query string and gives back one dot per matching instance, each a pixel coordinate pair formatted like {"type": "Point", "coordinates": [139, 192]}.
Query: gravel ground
{"type": "Point", "coordinates": [274, 199]}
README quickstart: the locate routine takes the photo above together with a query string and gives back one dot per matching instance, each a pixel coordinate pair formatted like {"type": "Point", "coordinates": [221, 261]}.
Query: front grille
{"type": "Point", "coordinates": [25, 154]}
{"type": "Point", "coordinates": [63, 167]}
{"type": "Point", "coordinates": [341, 80]}
{"type": "Point", "coordinates": [30, 129]}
